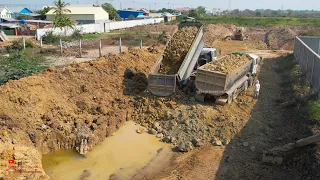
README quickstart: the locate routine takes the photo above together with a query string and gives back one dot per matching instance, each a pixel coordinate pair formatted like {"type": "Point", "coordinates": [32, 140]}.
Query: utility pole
{"type": "Point", "coordinates": [229, 5]}
{"type": "Point", "coordinates": [133, 4]}
{"type": "Point", "coordinates": [120, 6]}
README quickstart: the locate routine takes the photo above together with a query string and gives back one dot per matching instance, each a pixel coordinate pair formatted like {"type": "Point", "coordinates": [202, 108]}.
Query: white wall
{"type": "Point", "coordinates": [100, 28]}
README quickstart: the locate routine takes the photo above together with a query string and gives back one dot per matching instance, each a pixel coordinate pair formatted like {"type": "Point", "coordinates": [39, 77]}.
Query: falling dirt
{"type": "Point", "coordinates": [177, 50]}
{"type": "Point", "coordinates": [226, 64]}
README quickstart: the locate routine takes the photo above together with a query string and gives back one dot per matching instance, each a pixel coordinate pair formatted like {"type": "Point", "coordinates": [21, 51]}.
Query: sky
{"type": "Point", "coordinates": [223, 4]}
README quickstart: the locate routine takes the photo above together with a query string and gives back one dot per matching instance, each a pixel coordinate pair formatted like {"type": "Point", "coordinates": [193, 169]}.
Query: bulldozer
{"type": "Point", "coordinates": [237, 35]}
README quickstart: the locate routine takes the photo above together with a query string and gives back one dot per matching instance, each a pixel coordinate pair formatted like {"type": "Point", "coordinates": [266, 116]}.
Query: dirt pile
{"type": "Point", "coordinates": [214, 32]}
{"type": "Point", "coordinates": [74, 107]}
{"type": "Point", "coordinates": [177, 49]}
{"type": "Point", "coordinates": [281, 38]}
{"type": "Point", "coordinates": [227, 64]}
{"type": "Point", "coordinates": [182, 121]}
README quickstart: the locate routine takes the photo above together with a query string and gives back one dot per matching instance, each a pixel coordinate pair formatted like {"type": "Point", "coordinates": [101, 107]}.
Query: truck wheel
{"type": "Point", "coordinates": [250, 81]}
{"type": "Point", "coordinates": [245, 86]}
{"type": "Point", "coordinates": [230, 99]}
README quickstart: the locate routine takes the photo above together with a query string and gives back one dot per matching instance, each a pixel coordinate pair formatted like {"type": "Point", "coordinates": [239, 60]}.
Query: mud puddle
{"type": "Point", "coordinates": [126, 152]}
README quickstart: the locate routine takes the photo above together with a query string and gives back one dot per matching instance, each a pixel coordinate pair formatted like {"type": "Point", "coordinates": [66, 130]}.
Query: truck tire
{"type": "Point", "coordinates": [230, 99]}
{"type": "Point", "coordinates": [250, 81]}
{"type": "Point", "coordinates": [245, 86]}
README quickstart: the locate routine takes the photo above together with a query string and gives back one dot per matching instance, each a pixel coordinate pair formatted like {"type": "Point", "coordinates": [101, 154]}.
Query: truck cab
{"type": "Point", "coordinates": [207, 55]}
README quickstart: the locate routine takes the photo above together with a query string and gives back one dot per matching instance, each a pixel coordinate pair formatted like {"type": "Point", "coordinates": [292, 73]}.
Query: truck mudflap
{"type": "Point", "coordinates": [162, 85]}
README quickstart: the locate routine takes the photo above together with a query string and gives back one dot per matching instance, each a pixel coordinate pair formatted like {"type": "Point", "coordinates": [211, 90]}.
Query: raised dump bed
{"type": "Point", "coordinates": [164, 76]}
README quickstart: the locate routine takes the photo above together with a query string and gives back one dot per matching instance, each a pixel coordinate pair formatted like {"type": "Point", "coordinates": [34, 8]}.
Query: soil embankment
{"type": "Point", "coordinates": [70, 108]}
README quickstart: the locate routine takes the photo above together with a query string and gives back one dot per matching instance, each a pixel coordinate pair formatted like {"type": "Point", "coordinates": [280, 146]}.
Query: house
{"type": "Point", "coordinates": [125, 14]}
{"type": "Point", "coordinates": [25, 11]}
{"type": "Point", "coordinates": [213, 12]}
{"type": "Point", "coordinates": [84, 14]}
{"type": "Point", "coordinates": [145, 12]}
{"type": "Point", "coordinates": [5, 13]}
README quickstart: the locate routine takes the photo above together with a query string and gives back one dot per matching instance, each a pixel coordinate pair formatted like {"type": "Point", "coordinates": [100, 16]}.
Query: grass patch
{"type": "Point", "coordinates": [20, 64]}
{"type": "Point", "coordinates": [93, 36]}
{"type": "Point", "coordinates": [312, 109]}
{"type": "Point", "coordinates": [262, 21]}
{"type": "Point", "coordinates": [296, 84]}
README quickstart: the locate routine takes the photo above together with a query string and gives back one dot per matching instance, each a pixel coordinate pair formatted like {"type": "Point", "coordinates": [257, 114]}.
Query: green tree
{"type": "Point", "coordinates": [201, 11]}
{"type": "Point", "coordinates": [258, 13]}
{"type": "Point", "coordinates": [44, 11]}
{"type": "Point", "coordinates": [60, 8]}
{"type": "Point", "coordinates": [113, 13]}
{"type": "Point", "coordinates": [193, 13]}
{"type": "Point", "coordinates": [61, 20]}
{"type": "Point", "coordinates": [290, 12]}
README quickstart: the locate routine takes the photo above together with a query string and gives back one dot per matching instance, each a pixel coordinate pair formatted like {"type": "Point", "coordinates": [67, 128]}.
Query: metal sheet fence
{"type": "Point", "coordinates": [306, 52]}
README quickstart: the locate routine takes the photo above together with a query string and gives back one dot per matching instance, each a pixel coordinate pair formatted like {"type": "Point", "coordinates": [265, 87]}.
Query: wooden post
{"type": "Point", "coordinates": [80, 53]}
{"type": "Point", "coordinates": [141, 44]}
{"type": "Point", "coordinates": [100, 46]}
{"type": "Point", "coordinates": [60, 47]}
{"type": "Point", "coordinates": [41, 44]}
{"type": "Point", "coordinates": [120, 44]}
{"type": "Point", "coordinates": [24, 42]}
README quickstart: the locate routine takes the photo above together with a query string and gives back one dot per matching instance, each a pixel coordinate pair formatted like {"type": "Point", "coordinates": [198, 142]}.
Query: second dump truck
{"type": "Point", "coordinates": [224, 84]}
{"type": "Point", "coordinates": [161, 84]}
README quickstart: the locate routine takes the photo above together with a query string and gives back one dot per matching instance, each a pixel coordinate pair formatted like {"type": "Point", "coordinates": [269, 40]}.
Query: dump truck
{"type": "Point", "coordinates": [165, 85]}
{"type": "Point", "coordinates": [225, 86]}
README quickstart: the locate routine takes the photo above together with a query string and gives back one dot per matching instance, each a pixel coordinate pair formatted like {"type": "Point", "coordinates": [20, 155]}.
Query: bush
{"type": "Point", "coordinates": [50, 38]}
{"type": "Point", "coordinates": [18, 46]}
{"type": "Point", "coordinates": [19, 65]}
{"type": "Point", "coordinates": [77, 34]}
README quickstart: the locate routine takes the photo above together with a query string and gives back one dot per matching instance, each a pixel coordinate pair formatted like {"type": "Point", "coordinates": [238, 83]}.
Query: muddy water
{"type": "Point", "coordinates": [126, 151]}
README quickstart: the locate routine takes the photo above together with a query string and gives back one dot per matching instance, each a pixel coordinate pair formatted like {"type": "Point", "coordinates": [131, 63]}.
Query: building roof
{"type": "Point", "coordinates": [9, 25]}
{"type": "Point", "coordinates": [81, 10]}
{"type": "Point", "coordinates": [39, 21]}
{"type": "Point", "coordinates": [10, 19]}
{"type": "Point", "coordinates": [25, 11]}
{"type": "Point", "coordinates": [145, 11]}
{"type": "Point", "coordinates": [183, 9]}
{"type": "Point", "coordinates": [130, 11]}
{"type": "Point", "coordinates": [3, 8]}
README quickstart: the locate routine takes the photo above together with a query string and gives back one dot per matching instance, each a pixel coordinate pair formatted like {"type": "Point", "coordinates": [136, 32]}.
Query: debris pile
{"type": "Point", "coordinates": [227, 64]}
{"type": "Point", "coordinates": [183, 122]}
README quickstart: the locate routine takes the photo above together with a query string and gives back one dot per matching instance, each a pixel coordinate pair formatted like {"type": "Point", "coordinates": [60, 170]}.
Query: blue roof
{"type": "Point", "coordinates": [25, 11]}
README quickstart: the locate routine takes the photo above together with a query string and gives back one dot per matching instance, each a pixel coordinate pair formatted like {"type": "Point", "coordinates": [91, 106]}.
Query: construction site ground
{"type": "Point", "coordinates": [59, 108]}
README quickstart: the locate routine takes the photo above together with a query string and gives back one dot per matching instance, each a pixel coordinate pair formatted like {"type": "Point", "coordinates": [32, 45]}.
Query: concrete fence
{"type": "Point", "coordinates": [99, 28]}
{"type": "Point", "coordinates": [306, 52]}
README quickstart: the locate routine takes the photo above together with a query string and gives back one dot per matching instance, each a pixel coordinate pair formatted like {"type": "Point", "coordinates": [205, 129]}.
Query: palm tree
{"type": "Point", "coordinates": [61, 20]}
{"type": "Point", "coordinates": [60, 8]}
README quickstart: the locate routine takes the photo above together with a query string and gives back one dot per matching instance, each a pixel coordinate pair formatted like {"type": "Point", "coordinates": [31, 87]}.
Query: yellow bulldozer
{"type": "Point", "coordinates": [238, 35]}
